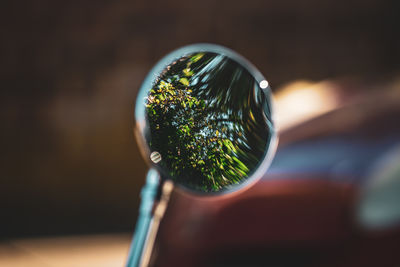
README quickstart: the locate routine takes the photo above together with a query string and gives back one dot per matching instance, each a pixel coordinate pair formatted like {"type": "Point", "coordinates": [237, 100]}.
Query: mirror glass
{"type": "Point", "coordinates": [207, 119]}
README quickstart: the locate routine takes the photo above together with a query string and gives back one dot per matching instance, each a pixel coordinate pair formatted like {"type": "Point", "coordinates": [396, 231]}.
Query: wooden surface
{"type": "Point", "coordinates": [78, 251]}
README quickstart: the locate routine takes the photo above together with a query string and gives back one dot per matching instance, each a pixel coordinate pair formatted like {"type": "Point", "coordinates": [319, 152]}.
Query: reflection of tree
{"type": "Point", "coordinates": [200, 122]}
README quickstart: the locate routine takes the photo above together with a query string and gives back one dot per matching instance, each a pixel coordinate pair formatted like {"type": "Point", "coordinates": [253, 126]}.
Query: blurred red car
{"type": "Point", "coordinates": [318, 205]}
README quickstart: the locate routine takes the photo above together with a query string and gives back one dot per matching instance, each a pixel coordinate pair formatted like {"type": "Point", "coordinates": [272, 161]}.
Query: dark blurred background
{"type": "Point", "coordinates": [70, 71]}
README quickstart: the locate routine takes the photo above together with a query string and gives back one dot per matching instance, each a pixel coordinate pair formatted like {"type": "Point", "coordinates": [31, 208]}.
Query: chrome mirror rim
{"type": "Point", "coordinates": [140, 116]}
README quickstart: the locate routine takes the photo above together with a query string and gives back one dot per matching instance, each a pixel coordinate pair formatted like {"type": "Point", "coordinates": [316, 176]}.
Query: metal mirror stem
{"type": "Point", "coordinates": [148, 223]}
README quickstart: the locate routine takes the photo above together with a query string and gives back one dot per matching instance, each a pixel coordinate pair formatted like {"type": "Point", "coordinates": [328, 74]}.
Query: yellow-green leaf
{"type": "Point", "coordinates": [187, 72]}
{"type": "Point", "coordinates": [197, 57]}
{"type": "Point", "coordinates": [184, 81]}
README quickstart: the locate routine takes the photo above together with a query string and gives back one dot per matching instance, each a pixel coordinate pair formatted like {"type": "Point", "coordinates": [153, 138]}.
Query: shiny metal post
{"type": "Point", "coordinates": [148, 195]}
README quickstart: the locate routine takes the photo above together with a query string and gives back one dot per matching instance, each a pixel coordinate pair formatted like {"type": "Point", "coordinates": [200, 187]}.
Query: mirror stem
{"type": "Point", "coordinates": [155, 223]}
{"type": "Point", "coordinates": [148, 195]}
{"type": "Point", "coordinates": [147, 224]}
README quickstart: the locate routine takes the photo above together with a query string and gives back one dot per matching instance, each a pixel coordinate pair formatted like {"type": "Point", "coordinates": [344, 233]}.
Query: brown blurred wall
{"type": "Point", "coordinates": [70, 71]}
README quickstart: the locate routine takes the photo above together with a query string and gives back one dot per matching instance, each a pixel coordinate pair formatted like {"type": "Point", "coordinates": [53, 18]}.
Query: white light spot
{"type": "Point", "coordinates": [155, 157]}
{"type": "Point", "coordinates": [264, 84]}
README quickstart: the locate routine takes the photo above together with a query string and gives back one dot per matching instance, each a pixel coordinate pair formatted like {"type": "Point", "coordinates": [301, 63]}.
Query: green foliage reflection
{"type": "Point", "coordinates": [205, 121]}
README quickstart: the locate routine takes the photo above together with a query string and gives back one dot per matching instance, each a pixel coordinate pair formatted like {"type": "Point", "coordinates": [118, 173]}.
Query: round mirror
{"type": "Point", "coordinates": [203, 118]}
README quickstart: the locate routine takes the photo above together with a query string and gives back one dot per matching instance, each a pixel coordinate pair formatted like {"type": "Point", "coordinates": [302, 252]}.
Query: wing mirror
{"type": "Point", "coordinates": [204, 124]}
